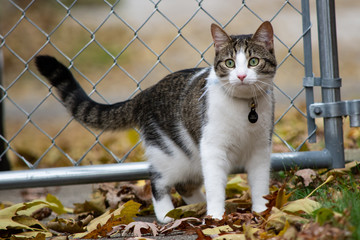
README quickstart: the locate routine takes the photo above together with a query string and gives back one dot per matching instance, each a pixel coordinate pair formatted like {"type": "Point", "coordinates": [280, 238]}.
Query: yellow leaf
{"type": "Point", "coordinates": [191, 210]}
{"type": "Point", "coordinates": [235, 186]}
{"type": "Point", "coordinates": [6, 216]}
{"type": "Point", "coordinates": [281, 198]}
{"type": "Point", "coordinates": [329, 179]}
{"type": "Point", "coordinates": [124, 215]}
{"type": "Point", "coordinates": [278, 218]}
{"type": "Point", "coordinates": [35, 235]}
{"type": "Point", "coordinates": [217, 230]}
{"type": "Point", "coordinates": [128, 212]}
{"type": "Point", "coordinates": [305, 205]}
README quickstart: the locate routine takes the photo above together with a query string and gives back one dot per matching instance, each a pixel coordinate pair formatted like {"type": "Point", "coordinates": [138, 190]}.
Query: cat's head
{"type": "Point", "coordinates": [245, 64]}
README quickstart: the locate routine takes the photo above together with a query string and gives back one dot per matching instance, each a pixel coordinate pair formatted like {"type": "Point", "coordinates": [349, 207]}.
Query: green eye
{"type": "Point", "coordinates": [253, 62]}
{"type": "Point", "coordinates": [230, 63]}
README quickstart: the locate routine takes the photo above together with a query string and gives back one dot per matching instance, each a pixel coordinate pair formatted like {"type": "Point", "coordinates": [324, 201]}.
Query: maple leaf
{"type": "Point", "coordinates": [276, 199]}
{"type": "Point", "coordinates": [139, 228]}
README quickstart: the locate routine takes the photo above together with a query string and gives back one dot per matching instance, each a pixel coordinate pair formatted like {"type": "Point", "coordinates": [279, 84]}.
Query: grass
{"type": "Point", "coordinates": [340, 198]}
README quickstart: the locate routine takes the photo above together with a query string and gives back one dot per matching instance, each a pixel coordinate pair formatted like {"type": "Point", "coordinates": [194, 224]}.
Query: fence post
{"type": "Point", "coordinates": [309, 90]}
{"type": "Point", "coordinates": [4, 162]}
{"type": "Point", "coordinates": [329, 70]}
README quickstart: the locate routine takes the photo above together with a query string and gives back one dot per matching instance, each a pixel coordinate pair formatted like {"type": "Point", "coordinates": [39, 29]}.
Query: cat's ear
{"type": "Point", "coordinates": [219, 36]}
{"type": "Point", "coordinates": [265, 35]}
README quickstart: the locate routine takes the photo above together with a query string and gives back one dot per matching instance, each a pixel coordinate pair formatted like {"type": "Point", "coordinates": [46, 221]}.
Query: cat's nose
{"type": "Point", "coordinates": [241, 76]}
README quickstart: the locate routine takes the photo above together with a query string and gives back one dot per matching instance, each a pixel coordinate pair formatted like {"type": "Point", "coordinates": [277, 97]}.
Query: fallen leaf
{"type": "Point", "coordinates": [201, 235]}
{"type": "Point", "coordinates": [301, 205]}
{"type": "Point", "coordinates": [276, 199]}
{"type": "Point", "coordinates": [123, 215]}
{"type": "Point", "coordinates": [95, 205]}
{"type": "Point", "coordinates": [69, 225]}
{"type": "Point", "coordinates": [250, 232]}
{"type": "Point", "coordinates": [236, 186]}
{"type": "Point", "coordinates": [126, 212]}
{"type": "Point", "coordinates": [192, 210]}
{"type": "Point", "coordinates": [180, 224]}
{"type": "Point", "coordinates": [30, 236]}
{"type": "Point", "coordinates": [307, 175]}
{"type": "Point", "coordinates": [277, 220]}
{"type": "Point", "coordinates": [139, 228]}
{"type": "Point", "coordinates": [289, 232]}
{"type": "Point", "coordinates": [217, 230]}
{"type": "Point", "coordinates": [231, 236]}
{"type": "Point", "coordinates": [6, 215]}
{"type": "Point", "coordinates": [329, 179]}
{"type": "Point", "coordinates": [103, 230]}
{"type": "Point", "coordinates": [323, 215]}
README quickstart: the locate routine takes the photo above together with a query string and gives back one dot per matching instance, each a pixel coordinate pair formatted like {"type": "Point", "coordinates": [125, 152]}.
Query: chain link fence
{"type": "Point", "coordinates": [118, 48]}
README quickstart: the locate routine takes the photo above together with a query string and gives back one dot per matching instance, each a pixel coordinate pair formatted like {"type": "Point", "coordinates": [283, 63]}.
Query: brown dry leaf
{"type": "Point", "coordinates": [118, 194]}
{"type": "Point", "coordinates": [307, 175]}
{"type": "Point", "coordinates": [103, 230]}
{"type": "Point", "coordinates": [315, 231]}
{"type": "Point", "coordinates": [105, 222]}
{"type": "Point", "coordinates": [139, 228]}
{"type": "Point", "coordinates": [180, 224]}
{"type": "Point", "coordinates": [277, 220]}
{"type": "Point", "coordinates": [69, 225]}
{"type": "Point", "coordinates": [42, 213]}
{"type": "Point", "coordinates": [96, 205]}
{"type": "Point", "coordinates": [276, 199]}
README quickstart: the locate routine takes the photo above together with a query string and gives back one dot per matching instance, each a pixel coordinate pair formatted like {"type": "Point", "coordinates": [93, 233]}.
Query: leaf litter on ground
{"type": "Point", "coordinates": [112, 210]}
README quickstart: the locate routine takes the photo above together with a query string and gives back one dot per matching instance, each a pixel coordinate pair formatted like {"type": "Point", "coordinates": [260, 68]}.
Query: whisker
{"type": "Point", "coordinates": [264, 93]}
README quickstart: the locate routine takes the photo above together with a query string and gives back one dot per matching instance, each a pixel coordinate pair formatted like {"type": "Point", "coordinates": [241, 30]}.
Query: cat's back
{"type": "Point", "coordinates": [176, 101]}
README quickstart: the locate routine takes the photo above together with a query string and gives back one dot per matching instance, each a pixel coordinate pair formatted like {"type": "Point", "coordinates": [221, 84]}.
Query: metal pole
{"type": "Point", "coordinates": [329, 69]}
{"type": "Point", "coordinates": [309, 90]}
{"type": "Point", "coordinates": [135, 171]}
{"type": "Point", "coordinates": [4, 161]}
{"type": "Point", "coordinates": [74, 175]}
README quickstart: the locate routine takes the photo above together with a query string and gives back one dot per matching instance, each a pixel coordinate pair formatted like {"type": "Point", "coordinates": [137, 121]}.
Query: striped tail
{"type": "Point", "coordinates": [78, 103]}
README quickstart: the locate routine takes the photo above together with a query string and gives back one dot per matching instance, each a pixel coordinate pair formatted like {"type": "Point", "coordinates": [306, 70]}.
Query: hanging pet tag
{"type": "Point", "coordinates": [253, 116]}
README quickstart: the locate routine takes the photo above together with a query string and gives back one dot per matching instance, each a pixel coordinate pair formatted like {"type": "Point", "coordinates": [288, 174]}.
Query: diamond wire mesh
{"type": "Point", "coordinates": [68, 11]}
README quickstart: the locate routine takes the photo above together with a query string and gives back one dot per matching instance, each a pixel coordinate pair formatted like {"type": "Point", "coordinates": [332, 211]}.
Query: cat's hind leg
{"type": "Point", "coordinates": [161, 197]}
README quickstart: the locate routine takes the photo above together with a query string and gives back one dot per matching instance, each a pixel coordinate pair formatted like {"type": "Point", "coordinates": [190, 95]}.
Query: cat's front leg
{"type": "Point", "coordinates": [258, 170]}
{"type": "Point", "coordinates": [215, 171]}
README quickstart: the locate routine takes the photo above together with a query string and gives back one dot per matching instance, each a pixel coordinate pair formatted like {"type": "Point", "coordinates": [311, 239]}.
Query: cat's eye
{"type": "Point", "coordinates": [253, 62]}
{"type": "Point", "coordinates": [230, 63]}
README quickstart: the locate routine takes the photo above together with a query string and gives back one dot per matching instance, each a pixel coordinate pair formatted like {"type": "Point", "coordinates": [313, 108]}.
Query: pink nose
{"type": "Point", "coordinates": [242, 76]}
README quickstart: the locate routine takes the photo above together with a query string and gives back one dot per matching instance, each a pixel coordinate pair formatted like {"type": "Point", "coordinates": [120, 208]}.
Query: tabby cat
{"type": "Point", "coordinates": [198, 125]}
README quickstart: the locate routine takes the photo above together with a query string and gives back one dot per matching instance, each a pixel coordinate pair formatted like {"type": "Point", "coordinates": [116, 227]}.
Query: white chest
{"type": "Point", "coordinates": [228, 126]}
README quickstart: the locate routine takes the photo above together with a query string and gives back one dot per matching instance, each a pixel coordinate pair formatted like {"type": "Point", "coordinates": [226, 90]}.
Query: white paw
{"type": "Point", "coordinates": [258, 207]}
{"type": "Point", "coordinates": [216, 215]}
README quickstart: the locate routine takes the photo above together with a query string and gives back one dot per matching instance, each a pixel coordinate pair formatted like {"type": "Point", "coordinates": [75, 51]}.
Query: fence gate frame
{"type": "Point", "coordinates": [332, 110]}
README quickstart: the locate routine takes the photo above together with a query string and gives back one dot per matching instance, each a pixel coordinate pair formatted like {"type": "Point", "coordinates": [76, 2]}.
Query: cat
{"type": "Point", "coordinates": [198, 125]}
